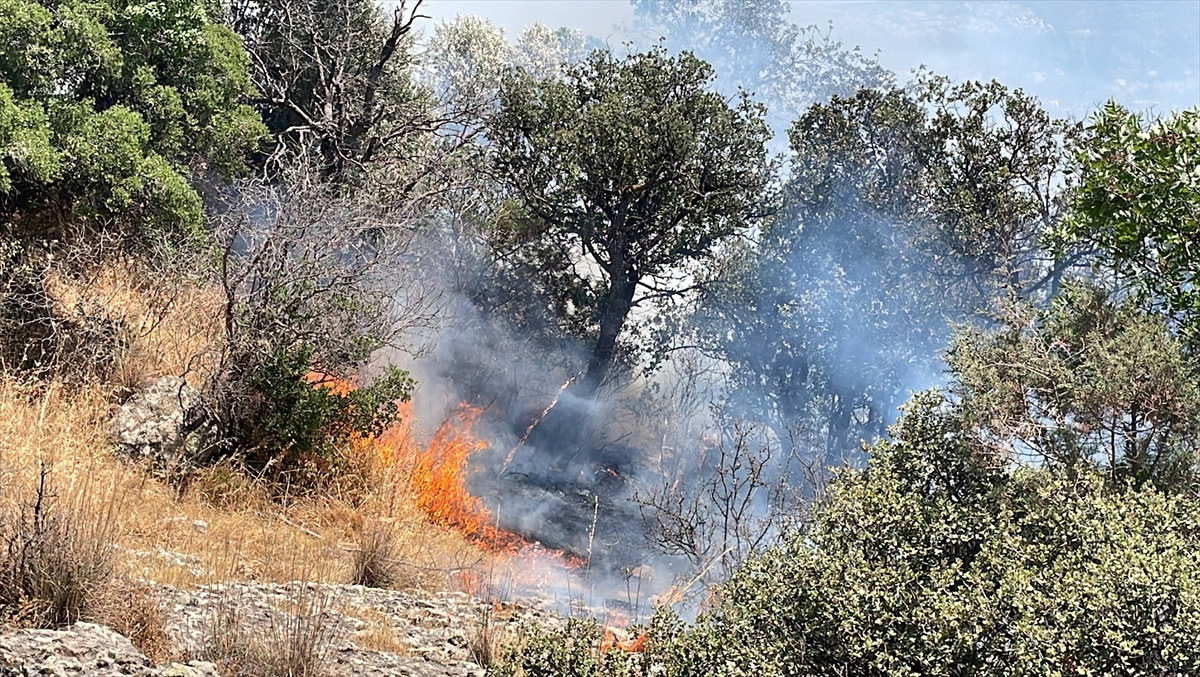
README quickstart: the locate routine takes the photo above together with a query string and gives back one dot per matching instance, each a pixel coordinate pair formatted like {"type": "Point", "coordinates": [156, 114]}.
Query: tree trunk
{"type": "Point", "coordinates": [617, 304]}
{"type": "Point", "coordinates": [564, 432]}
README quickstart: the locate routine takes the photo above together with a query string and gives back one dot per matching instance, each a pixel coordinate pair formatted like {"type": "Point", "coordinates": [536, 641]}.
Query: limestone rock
{"type": "Point", "coordinates": [83, 649]}
{"type": "Point", "coordinates": [168, 425]}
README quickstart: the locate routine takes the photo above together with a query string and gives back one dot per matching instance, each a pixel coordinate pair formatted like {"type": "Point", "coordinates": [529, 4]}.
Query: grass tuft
{"type": "Point", "coordinates": [55, 561]}
{"type": "Point", "coordinates": [296, 643]}
{"type": "Point", "coordinates": [374, 562]}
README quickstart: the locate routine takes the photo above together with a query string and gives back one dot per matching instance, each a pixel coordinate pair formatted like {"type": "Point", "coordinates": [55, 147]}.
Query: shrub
{"type": "Point", "coordinates": [293, 421]}
{"type": "Point", "coordinates": [311, 279]}
{"type": "Point", "coordinates": [55, 561]}
{"type": "Point", "coordinates": [942, 558]}
{"type": "Point", "coordinates": [577, 650]}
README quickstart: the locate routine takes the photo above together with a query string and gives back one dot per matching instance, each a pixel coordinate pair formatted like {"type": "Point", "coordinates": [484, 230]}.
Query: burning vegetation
{"type": "Point", "coordinates": [254, 211]}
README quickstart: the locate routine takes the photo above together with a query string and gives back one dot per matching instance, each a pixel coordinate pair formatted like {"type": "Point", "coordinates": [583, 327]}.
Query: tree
{"type": "Point", "coordinates": [904, 210]}
{"type": "Point", "coordinates": [104, 105]}
{"type": "Point", "coordinates": [1086, 379]}
{"type": "Point", "coordinates": [754, 46]}
{"type": "Point", "coordinates": [1138, 203]}
{"type": "Point", "coordinates": [621, 172]}
{"type": "Point", "coordinates": [335, 81]}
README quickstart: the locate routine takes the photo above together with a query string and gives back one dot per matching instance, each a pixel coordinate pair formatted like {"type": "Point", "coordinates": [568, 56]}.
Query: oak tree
{"type": "Point", "coordinates": [621, 172]}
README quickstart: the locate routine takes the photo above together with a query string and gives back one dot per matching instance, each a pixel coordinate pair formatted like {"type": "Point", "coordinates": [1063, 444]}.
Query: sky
{"type": "Point", "coordinates": [1072, 55]}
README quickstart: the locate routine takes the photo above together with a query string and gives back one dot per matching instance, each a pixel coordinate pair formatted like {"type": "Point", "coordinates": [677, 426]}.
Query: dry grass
{"type": "Point", "coordinates": [133, 610]}
{"type": "Point", "coordinates": [173, 324]}
{"type": "Point", "coordinates": [379, 634]}
{"type": "Point", "coordinates": [486, 643]}
{"type": "Point", "coordinates": [55, 558]}
{"type": "Point", "coordinates": [374, 564]}
{"type": "Point", "coordinates": [246, 535]}
{"type": "Point", "coordinates": [296, 643]}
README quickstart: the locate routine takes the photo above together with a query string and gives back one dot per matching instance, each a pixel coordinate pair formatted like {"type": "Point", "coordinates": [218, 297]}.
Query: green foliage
{"type": "Point", "coordinates": [1085, 379]}
{"type": "Point", "coordinates": [621, 171]}
{"type": "Point", "coordinates": [904, 209]}
{"type": "Point", "coordinates": [939, 559]}
{"type": "Point", "coordinates": [1138, 202]}
{"type": "Point", "coordinates": [577, 650]}
{"type": "Point", "coordinates": [298, 419]}
{"type": "Point", "coordinates": [103, 104]}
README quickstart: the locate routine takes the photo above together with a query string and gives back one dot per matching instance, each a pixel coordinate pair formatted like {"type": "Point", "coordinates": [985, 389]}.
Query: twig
{"type": "Point", "coordinates": [310, 532]}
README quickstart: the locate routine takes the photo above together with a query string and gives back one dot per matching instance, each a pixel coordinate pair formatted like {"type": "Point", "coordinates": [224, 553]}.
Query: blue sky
{"type": "Point", "coordinates": [1072, 55]}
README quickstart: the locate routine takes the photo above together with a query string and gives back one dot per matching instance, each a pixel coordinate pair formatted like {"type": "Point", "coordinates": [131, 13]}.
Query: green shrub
{"type": "Point", "coordinates": [943, 558]}
{"type": "Point", "coordinates": [939, 560]}
{"type": "Point", "coordinates": [293, 419]}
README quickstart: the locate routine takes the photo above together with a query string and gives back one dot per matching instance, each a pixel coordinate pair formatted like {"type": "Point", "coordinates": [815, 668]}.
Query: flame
{"type": "Point", "coordinates": [437, 475]}
{"type": "Point", "coordinates": [611, 641]}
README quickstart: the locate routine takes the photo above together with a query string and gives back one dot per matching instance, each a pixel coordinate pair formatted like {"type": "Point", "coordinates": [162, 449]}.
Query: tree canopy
{"type": "Point", "coordinates": [105, 107]}
{"type": "Point", "coordinates": [905, 210]}
{"type": "Point", "coordinates": [621, 172]}
{"type": "Point", "coordinates": [1138, 203]}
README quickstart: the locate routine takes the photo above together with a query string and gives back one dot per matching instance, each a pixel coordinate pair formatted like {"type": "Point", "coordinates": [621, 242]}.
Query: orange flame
{"type": "Point", "coordinates": [437, 476]}
{"type": "Point", "coordinates": [610, 641]}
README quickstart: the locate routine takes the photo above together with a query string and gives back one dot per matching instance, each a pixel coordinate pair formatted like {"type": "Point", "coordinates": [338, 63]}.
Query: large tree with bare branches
{"type": "Point", "coordinates": [334, 79]}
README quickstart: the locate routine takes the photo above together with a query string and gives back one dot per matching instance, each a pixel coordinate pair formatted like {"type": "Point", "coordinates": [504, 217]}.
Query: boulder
{"type": "Point", "coordinates": [83, 650]}
{"type": "Point", "coordinates": [168, 425]}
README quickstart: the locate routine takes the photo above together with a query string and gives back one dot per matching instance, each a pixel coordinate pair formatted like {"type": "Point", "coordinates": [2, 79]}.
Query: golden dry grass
{"type": "Point", "coordinates": [219, 527]}
{"type": "Point", "coordinates": [378, 634]}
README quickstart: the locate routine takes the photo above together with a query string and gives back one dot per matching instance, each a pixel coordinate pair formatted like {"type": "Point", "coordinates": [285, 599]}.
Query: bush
{"type": "Point", "coordinates": [294, 421]}
{"type": "Point", "coordinates": [313, 289]}
{"type": "Point", "coordinates": [942, 558]}
{"type": "Point", "coordinates": [55, 562]}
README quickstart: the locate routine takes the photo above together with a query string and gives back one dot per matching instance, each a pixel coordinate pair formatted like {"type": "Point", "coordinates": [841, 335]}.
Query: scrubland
{"type": "Point", "coordinates": [85, 531]}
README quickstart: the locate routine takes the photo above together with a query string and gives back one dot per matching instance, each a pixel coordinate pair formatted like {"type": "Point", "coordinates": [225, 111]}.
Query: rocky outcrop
{"type": "Point", "coordinates": [168, 425]}
{"type": "Point", "coordinates": [363, 631]}
{"type": "Point", "coordinates": [83, 650]}
{"type": "Point", "coordinates": [371, 632]}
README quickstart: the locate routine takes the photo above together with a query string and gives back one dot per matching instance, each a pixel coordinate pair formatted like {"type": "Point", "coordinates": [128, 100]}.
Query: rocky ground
{"type": "Point", "coordinates": [361, 631]}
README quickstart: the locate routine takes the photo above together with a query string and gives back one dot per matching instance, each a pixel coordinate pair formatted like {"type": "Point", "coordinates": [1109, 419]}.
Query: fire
{"type": "Point", "coordinates": [437, 476]}
{"type": "Point", "coordinates": [611, 641]}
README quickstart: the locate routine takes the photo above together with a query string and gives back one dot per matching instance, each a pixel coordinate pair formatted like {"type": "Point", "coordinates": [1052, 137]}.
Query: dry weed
{"type": "Point", "coordinates": [132, 609]}
{"type": "Point", "coordinates": [379, 633]}
{"type": "Point", "coordinates": [374, 562]}
{"type": "Point", "coordinates": [295, 643]}
{"type": "Point", "coordinates": [55, 558]}
{"type": "Point", "coordinates": [486, 642]}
